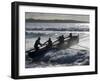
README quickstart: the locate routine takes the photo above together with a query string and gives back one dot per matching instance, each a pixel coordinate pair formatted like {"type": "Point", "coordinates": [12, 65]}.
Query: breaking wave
{"type": "Point", "coordinates": [68, 57]}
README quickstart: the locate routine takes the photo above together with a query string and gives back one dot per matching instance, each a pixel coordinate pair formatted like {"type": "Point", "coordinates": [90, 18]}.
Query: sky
{"type": "Point", "coordinates": [54, 16]}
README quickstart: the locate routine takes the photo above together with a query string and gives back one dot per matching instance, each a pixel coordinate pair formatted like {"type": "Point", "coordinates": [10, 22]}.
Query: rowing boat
{"type": "Point", "coordinates": [68, 42]}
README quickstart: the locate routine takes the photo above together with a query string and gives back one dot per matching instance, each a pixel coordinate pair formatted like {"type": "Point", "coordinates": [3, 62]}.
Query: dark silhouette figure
{"type": "Point", "coordinates": [37, 43]}
{"type": "Point", "coordinates": [49, 43]}
{"type": "Point", "coordinates": [61, 39]}
{"type": "Point", "coordinates": [70, 35]}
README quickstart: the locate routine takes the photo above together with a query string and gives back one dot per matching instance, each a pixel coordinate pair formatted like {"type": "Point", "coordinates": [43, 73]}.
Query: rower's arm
{"type": "Point", "coordinates": [44, 43]}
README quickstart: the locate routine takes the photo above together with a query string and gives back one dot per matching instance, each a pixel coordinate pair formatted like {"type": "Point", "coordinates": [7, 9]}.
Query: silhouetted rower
{"type": "Point", "coordinates": [61, 39]}
{"type": "Point", "coordinates": [49, 43]}
{"type": "Point", "coordinates": [37, 43]}
{"type": "Point", "coordinates": [70, 35]}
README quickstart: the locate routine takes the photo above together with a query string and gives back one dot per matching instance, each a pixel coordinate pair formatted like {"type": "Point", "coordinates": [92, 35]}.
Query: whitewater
{"type": "Point", "coordinates": [76, 55]}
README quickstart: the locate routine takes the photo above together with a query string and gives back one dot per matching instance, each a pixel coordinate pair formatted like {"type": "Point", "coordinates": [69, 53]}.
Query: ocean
{"type": "Point", "coordinates": [67, 57]}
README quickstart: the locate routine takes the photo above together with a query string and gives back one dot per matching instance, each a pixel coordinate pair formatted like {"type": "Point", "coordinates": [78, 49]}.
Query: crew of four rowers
{"type": "Point", "coordinates": [49, 42]}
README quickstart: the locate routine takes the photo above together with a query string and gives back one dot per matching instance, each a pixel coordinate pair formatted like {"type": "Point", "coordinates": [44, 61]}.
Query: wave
{"type": "Point", "coordinates": [58, 29]}
{"type": "Point", "coordinates": [66, 57]}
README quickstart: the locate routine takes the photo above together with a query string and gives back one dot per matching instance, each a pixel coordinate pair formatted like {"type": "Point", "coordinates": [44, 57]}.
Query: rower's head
{"type": "Point", "coordinates": [70, 34]}
{"type": "Point", "coordinates": [62, 35]}
{"type": "Point", "coordinates": [39, 38]}
{"type": "Point", "coordinates": [49, 38]}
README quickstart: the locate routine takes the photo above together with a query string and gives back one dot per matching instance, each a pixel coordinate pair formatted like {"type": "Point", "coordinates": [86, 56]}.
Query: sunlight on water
{"type": "Point", "coordinates": [76, 55]}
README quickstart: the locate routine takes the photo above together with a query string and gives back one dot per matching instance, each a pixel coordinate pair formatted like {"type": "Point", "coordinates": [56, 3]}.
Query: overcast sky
{"type": "Point", "coordinates": [53, 16]}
